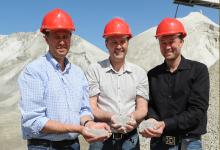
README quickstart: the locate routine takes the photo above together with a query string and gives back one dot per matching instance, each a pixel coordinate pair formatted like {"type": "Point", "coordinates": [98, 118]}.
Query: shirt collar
{"type": "Point", "coordinates": [182, 66]}
{"type": "Point", "coordinates": [108, 66]}
{"type": "Point", "coordinates": [55, 64]}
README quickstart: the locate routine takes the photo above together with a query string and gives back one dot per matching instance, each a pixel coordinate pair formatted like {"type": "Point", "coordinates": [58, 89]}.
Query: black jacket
{"type": "Point", "coordinates": [181, 98]}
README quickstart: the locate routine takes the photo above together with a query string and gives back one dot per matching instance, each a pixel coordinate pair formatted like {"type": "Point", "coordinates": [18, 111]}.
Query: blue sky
{"type": "Point", "coordinates": [90, 16]}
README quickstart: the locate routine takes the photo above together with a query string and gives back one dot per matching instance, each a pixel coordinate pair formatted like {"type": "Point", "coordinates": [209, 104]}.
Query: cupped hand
{"type": "Point", "coordinates": [102, 128]}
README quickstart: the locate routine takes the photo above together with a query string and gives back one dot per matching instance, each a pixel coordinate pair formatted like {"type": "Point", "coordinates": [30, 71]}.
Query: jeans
{"type": "Point", "coordinates": [130, 143]}
{"type": "Point", "coordinates": [186, 144]}
{"type": "Point", "coordinates": [191, 144]}
{"type": "Point", "coordinates": [74, 146]}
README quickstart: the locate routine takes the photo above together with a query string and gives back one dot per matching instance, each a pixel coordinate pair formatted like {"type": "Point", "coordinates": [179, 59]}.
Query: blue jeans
{"type": "Point", "coordinates": [130, 143]}
{"type": "Point", "coordinates": [74, 146]}
{"type": "Point", "coordinates": [186, 144]}
{"type": "Point", "coordinates": [191, 144]}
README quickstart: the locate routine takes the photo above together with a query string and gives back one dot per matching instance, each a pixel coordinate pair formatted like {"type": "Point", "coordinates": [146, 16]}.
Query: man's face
{"type": "Point", "coordinates": [117, 47]}
{"type": "Point", "coordinates": [59, 43]}
{"type": "Point", "coordinates": [170, 46]}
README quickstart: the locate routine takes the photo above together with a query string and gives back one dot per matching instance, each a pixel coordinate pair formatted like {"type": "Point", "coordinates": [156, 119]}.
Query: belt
{"type": "Point", "coordinates": [55, 144]}
{"type": "Point", "coordinates": [120, 136]}
{"type": "Point", "coordinates": [171, 140]}
{"type": "Point", "coordinates": [175, 140]}
{"type": "Point", "coordinates": [197, 137]}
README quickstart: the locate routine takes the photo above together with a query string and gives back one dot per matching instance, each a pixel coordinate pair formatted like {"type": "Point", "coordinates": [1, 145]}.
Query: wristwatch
{"type": "Point", "coordinates": [84, 124]}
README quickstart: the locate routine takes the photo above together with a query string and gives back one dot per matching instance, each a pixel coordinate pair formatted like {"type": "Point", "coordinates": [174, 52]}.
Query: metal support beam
{"type": "Point", "coordinates": [206, 3]}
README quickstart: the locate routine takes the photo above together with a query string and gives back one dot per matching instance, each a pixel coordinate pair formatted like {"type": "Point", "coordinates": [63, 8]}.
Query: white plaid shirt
{"type": "Point", "coordinates": [117, 91]}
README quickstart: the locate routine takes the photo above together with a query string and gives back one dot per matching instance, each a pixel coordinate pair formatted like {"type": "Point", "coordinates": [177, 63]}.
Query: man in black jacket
{"type": "Point", "coordinates": [179, 94]}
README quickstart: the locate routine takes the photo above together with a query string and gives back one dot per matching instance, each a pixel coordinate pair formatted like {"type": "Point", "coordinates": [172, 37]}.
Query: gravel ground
{"type": "Point", "coordinates": [211, 139]}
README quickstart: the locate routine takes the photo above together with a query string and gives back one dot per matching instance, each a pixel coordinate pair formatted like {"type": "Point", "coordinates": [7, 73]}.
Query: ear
{"type": "Point", "coordinates": [181, 43]}
{"type": "Point", "coordinates": [106, 42]}
{"type": "Point", "coordinates": [46, 38]}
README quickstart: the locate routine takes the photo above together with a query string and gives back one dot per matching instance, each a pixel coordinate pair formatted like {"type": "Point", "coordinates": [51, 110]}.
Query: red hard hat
{"type": "Point", "coordinates": [169, 26]}
{"type": "Point", "coordinates": [117, 26]}
{"type": "Point", "coordinates": [57, 19]}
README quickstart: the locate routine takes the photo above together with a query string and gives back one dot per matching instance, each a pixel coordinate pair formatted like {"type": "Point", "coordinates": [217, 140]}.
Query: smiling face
{"type": "Point", "coordinates": [117, 47]}
{"type": "Point", "coordinates": [170, 46]}
{"type": "Point", "coordinates": [59, 43]}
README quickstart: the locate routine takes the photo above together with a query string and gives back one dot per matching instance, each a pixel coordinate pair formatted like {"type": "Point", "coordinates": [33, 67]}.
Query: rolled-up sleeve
{"type": "Point", "coordinates": [142, 87]}
{"type": "Point", "coordinates": [31, 104]}
{"type": "Point", "coordinates": [92, 78]}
